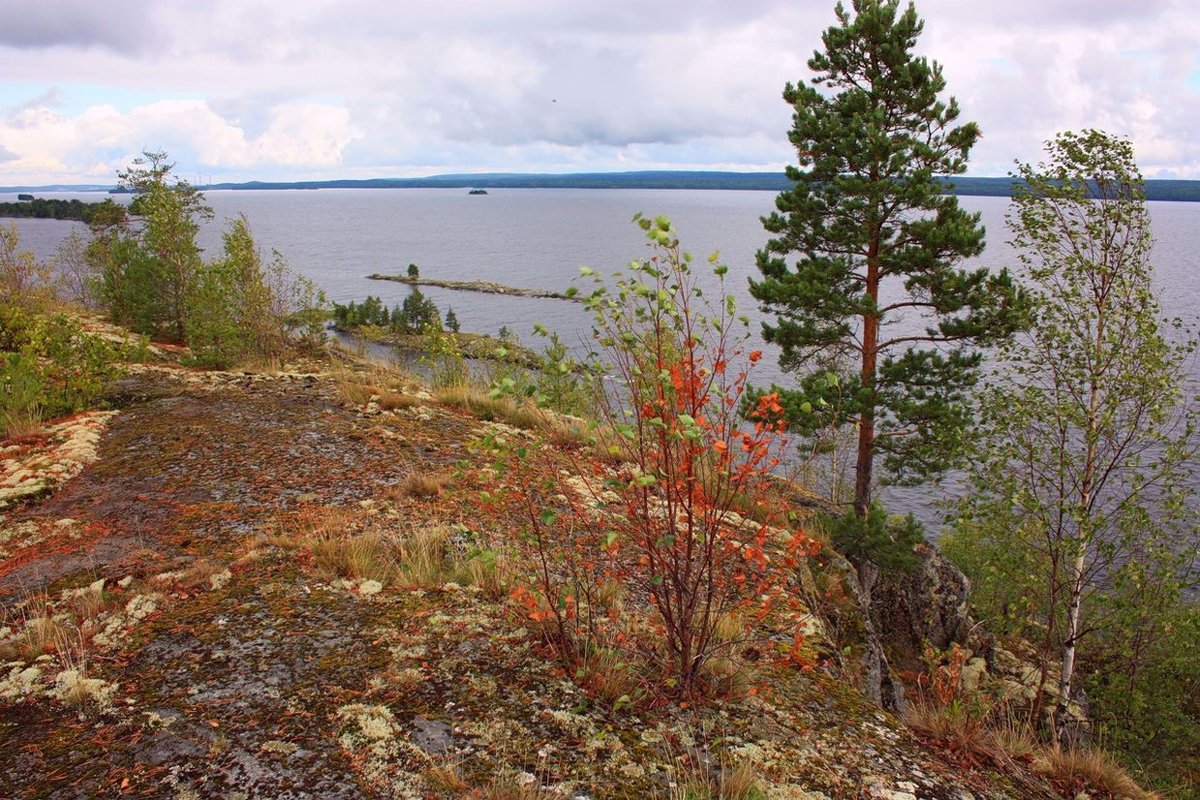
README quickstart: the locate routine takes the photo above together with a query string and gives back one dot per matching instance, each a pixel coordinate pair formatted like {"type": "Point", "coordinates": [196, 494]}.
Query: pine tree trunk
{"type": "Point", "coordinates": [866, 424]}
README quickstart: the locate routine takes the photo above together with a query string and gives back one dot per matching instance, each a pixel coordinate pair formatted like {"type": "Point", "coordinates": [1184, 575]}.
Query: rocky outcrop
{"type": "Point", "coordinates": [889, 619]}
{"type": "Point", "coordinates": [845, 601]}
{"type": "Point", "coordinates": [929, 605]}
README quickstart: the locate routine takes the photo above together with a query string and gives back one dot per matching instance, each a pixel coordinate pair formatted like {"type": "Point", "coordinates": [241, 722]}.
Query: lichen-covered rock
{"type": "Point", "coordinates": [67, 447]}
{"type": "Point", "coordinates": [846, 603]}
{"type": "Point", "coordinates": [928, 606]}
{"type": "Point", "coordinates": [263, 679]}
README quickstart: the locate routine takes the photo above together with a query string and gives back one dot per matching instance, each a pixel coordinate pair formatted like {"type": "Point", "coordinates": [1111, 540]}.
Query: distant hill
{"type": "Point", "coordinates": [662, 179]}
{"type": "Point", "coordinates": [650, 179]}
{"type": "Point", "coordinates": [666, 179]}
{"type": "Point", "coordinates": [59, 187]}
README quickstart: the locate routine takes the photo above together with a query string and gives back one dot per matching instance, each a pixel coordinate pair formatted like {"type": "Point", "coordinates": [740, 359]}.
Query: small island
{"type": "Point", "coordinates": [408, 327]}
{"type": "Point", "coordinates": [30, 207]}
{"type": "Point", "coordinates": [487, 287]}
{"type": "Point", "coordinates": [478, 191]}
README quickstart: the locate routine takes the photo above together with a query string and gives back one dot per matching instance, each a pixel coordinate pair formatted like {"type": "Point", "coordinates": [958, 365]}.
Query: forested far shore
{"type": "Point", "coordinates": [52, 208]}
{"type": "Point", "coordinates": [1160, 189]}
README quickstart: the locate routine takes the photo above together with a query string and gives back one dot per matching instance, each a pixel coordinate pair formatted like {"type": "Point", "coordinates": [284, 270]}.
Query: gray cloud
{"type": "Point", "coordinates": [542, 84]}
{"type": "Point", "coordinates": [119, 25]}
{"type": "Point", "coordinates": [47, 99]}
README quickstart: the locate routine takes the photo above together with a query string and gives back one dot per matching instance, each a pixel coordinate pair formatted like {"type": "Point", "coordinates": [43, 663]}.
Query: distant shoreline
{"type": "Point", "coordinates": [1156, 189]}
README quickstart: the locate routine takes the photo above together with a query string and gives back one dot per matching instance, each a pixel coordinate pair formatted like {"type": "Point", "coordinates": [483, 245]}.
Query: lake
{"type": "Point", "coordinates": [538, 238]}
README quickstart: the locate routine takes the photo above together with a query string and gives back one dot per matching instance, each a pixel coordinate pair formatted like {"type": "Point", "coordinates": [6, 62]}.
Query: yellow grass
{"type": "Point", "coordinates": [732, 780]}
{"type": "Point", "coordinates": [610, 677]}
{"type": "Point", "coordinates": [422, 558]}
{"type": "Point", "coordinates": [509, 788]}
{"type": "Point", "coordinates": [1009, 743]}
{"type": "Point", "coordinates": [39, 635]}
{"type": "Point", "coordinates": [89, 603]}
{"type": "Point", "coordinates": [1094, 767]}
{"type": "Point", "coordinates": [364, 556]}
{"type": "Point", "coordinates": [445, 780]}
{"type": "Point", "coordinates": [14, 425]}
{"type": "Point", "coordinates": [499, 409]}
{"type": "Point", "coordinates": [421, 484]}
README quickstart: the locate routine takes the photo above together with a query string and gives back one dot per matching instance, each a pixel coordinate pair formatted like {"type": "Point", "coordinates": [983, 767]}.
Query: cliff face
{"type": "Point", "coordinates": [182, 619]}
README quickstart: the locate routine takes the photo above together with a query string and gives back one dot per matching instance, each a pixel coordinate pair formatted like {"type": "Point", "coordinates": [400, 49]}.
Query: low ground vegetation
{"type": "Point", "coordinates": [640, 576]}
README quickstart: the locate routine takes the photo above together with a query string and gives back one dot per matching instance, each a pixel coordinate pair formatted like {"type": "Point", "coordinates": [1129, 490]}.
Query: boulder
{"type": "Point", "coordinates": [929, 605]}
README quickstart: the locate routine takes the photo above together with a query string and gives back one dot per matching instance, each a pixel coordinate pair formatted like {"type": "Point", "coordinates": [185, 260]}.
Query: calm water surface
{"type": "Point", "coordinates": [539, 238]}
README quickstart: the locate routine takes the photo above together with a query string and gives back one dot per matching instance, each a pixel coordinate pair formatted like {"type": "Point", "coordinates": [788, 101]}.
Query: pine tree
{"type": "Point", "coordinates": [877, 241]}
{"type": "Point", "coordinates": [163, 271]}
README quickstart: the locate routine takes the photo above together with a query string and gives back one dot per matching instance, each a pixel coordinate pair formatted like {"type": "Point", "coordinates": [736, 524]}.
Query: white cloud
{"type": "Point", "coordinates": [93, 145]}
{"type": "Point", "coordinates": [258, 89]}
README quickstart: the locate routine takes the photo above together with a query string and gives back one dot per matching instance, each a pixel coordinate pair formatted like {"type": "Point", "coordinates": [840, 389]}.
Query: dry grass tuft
{"type": "Point", "coordinates": [363, 556]}
{"type": "Point", "coordinates": [356, 386]}
{"type": "Point", "coordinates": [489, 571]}
{"type": "Point", "coordinates": [493, 409]}
{"type": "Point", "coordinates": [731, 781]}
{"type": "Point", "coordinates": [729, 677]}
{"type": "Point", "coordinates": [14, 425]}
{"type": "Point", "coordinates": [320, 521]}
{"type": "Point", "coordinates": [355, 392]}
{"type": "Point", "coordinates": [262, 364]}
{"type": "Point", "coordinates": [1095, 769]}
{"type": "Point", "coordinates": [90, 602]}
{"type": "Point", "coordinates": [1008, 743]}
{"type": "Point", "coordinates": [445, 780]}
{"type": "Point", "coordinates": [738, 782]}
{"type": "Point", "coordinates": [566, 432]}
{"type": "Point", "coordinates": [199, 574]}
{"type": "Point", "coordinates": [421, 484]}
{"type": "Point", "coordinates": [510, 787]}
{"type": "Point", "coordinates": [39, 635]}
{"type": "Point", "coordinates": [730, 627]}
{"type": "Point", "coordinates": [428, 558]}
{"type": "Point", "coordinates": [390, 400]}
{"type": "Point", "coordinates": [951, 724]}
{"type": "Point", "coordinates": [422, 556]}
{"type": "Point", "coordinates": [610, 677]}
{"type": "Point", "coordinates": [1015, 740]}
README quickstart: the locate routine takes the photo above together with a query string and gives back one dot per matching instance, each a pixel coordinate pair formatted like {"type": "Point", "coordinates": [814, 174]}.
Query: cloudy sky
{"type": "Point", "coordinates": [304, 89]}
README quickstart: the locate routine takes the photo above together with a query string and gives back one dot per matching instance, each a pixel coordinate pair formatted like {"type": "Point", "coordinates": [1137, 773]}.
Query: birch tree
{"type": "Point", "coordinates": [1087, 436]}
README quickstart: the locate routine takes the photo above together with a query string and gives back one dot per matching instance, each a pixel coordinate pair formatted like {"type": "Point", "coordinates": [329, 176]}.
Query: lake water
{"type": "Point", "coordinates": [538, 238]}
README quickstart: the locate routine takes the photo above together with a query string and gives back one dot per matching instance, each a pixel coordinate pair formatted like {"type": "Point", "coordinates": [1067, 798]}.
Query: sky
{"type": "Point", "coordinates": [309, 90]}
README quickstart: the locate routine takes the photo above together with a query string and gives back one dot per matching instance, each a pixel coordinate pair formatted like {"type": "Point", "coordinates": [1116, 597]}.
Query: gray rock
{"type": "Point", "coordinates": [927, 606]}
{"type": "Point", "coordinates": [432, 736]}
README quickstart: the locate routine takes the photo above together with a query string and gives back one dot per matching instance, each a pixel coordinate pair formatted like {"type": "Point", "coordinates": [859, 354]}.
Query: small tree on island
{"type": "Point", "coordinates": [418, 312]}
{"type": "Point", "coordinates": [414, 271]}
{"type": "Point", "coordinates": [877, 240]}
{"type": "Point", "coordinates": [451, 320]}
